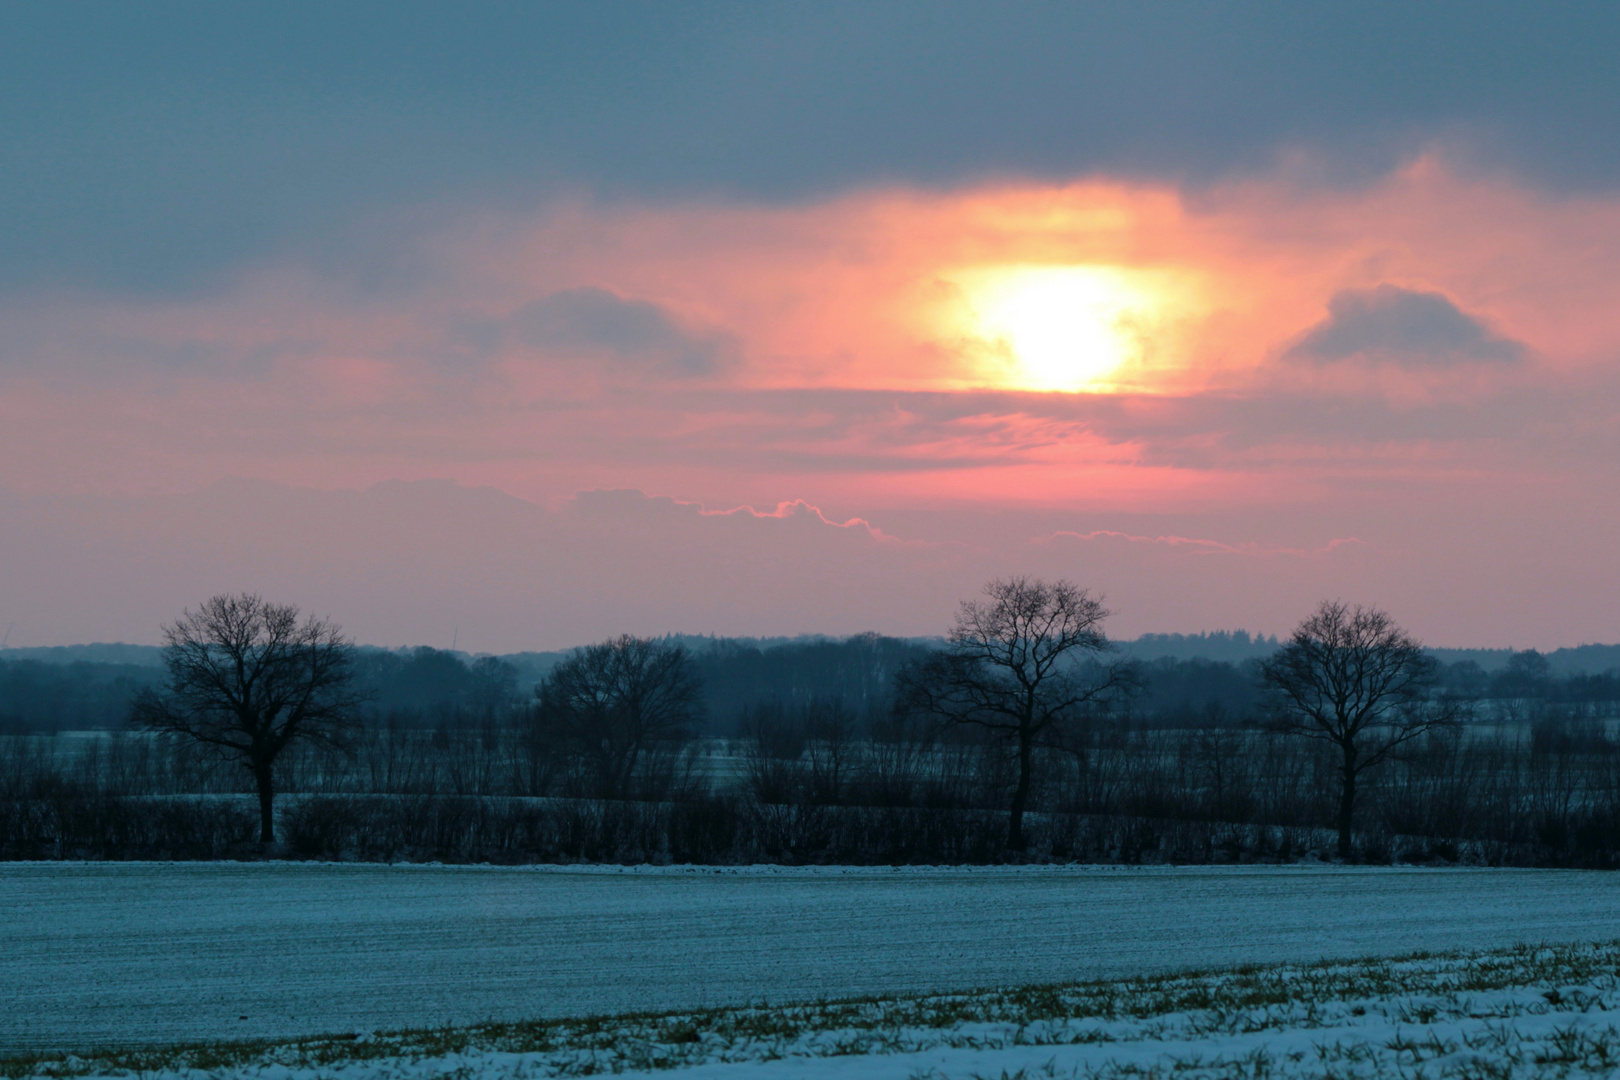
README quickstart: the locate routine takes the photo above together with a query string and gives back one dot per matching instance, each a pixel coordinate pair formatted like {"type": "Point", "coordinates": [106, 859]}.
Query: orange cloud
{"type": "Point", "coordinates": [1097, 343]}
{"type": "Point", "coordinates": [905, 290]}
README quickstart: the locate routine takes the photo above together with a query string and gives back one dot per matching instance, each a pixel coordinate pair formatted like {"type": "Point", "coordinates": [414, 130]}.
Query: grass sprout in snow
{"type": "Point", "coordinates": [1519, 1012]}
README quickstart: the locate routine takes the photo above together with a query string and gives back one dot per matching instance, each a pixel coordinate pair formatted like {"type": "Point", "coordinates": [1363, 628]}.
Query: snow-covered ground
{"type": "Point", "coordinates": [104, 953]}
{"type": "Point", "coordinates": [1527, 1012]}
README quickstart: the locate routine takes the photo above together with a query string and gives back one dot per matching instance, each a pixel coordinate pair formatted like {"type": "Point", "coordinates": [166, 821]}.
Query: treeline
{"type": "Point", "coordinates": [1025, 737]}
{"type": "Point", "coordinates": [1180, 693]}
{"type": "Point", "coordinates": [419, 687]}
{"type": "Point", "coordinates": [819, 782]}
{"type": "Point", "coordinates": [439, 689]}
{"type": "Point", "coordinates": [37, 696]}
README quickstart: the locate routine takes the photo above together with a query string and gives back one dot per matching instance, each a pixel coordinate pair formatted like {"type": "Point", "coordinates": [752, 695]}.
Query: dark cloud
{"type": "Point", "coordinates": [61, 341]}
{"type": "Point", "coordinates": [1404, 326]}
{"type": "Point", "coordinates": [160, 146]}
{"type": "Point", "coordinates": [598, 324]}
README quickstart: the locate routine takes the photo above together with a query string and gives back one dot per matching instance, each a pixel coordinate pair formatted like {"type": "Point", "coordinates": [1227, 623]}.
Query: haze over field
{"type": "Point", "coordinates": [518, 328]}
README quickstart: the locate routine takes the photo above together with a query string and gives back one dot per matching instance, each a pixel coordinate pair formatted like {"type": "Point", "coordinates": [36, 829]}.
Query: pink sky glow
{"type": "Point", "coordinates": [1216, 408]}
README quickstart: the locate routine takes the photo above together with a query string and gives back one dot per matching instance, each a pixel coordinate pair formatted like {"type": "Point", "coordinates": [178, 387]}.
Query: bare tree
{"type": "Point", "coordinates": [612, 702]}
{"type": "Point", "coordinates": [247, 678]}
{"type": "Point", "coordinates": [494, 688]}
{"type": "Point", "coordinates": [1352, 678]}
{"type": "Point", "coordinates": [1010, 667]}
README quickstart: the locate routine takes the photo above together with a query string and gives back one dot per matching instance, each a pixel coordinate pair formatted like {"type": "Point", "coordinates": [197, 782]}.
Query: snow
{"type": "Point", "coordinates": [1179, 1044]}
{"type": "Point", "coordinates": [1511, 1013]}
{"type": "Point", "coordinates": [105, 953]}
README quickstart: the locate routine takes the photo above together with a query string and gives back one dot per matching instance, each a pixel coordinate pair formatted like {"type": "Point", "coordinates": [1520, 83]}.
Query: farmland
{"type": "Point", "coordinates": [115, 953]}
{"type": "Point", "coordinates": [1525, 1011]}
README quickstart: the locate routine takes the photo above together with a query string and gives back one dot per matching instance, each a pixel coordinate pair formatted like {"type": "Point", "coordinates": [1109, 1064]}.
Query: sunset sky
{"type": "Point", "coordinates": [517, 326]}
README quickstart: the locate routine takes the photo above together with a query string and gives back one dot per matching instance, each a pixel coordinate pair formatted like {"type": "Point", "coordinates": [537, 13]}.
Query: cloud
{"type": "Point", "coordinates": [161, 147]}
{"type": "Point", "coordinates": [580, 334]}
{"type": "Point", "coordinates": [1411, 327]}
{"type": "Point", "coordinates": [793, 512]}
{"type": "Point", "coordinates": [593, 323]}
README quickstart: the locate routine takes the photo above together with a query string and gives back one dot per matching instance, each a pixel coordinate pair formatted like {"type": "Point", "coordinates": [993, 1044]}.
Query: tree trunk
{"type": "Point", "coordinates": [1347, 801]}
{"type": "Point", "coordinates": [1015, 820]}
{"type": "Point", "coordinates": [264, 776]}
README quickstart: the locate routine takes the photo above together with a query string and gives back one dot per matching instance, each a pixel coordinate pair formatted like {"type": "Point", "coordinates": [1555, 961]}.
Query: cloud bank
{"type": "Point", "coordinates": [162, 150]}
{"type": "Point", "coordinates": [719, 355]}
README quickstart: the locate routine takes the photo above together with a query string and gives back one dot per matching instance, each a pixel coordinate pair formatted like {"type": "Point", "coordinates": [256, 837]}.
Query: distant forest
{"type": "Point", "coordinates": [797, 751]}
{"type": "Point", "coordinates": [1184, 679]}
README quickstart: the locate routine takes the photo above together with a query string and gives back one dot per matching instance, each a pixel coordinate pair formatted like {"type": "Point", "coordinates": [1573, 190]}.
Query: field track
{"type": "Point", "coordinates": [104, 953]}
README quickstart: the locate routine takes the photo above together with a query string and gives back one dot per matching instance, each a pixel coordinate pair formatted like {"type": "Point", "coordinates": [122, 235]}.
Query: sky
{"type": "Point", "coordinates": [517, 326]}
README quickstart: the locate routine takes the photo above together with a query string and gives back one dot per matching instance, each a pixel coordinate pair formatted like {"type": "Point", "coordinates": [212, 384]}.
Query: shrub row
{"type": "Point", "coordinates": [713, 831]}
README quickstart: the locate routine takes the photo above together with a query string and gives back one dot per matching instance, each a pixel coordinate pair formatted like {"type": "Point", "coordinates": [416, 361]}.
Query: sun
{"type": "Point", "coordinates": [1063, 328]}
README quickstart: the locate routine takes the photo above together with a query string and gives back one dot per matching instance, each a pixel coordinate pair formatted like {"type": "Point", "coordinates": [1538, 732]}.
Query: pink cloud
{"type": "Point", "coordinates": [807, 359]}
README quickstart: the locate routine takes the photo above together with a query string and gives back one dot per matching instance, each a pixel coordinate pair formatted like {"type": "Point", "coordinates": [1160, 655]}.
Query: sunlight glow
{"type": "Point", "coordinates": [1058, 327]}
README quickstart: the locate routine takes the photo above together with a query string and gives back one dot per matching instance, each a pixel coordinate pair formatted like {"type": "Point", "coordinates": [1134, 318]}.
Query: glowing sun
{"type": "Point", "coordinates": [1057, 327]}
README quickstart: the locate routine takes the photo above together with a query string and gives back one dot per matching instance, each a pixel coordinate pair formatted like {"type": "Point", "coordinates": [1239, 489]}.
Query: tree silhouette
{"type": "Point", "coordinates": [611, 702]}
{"type": "Point", "coordinates": [1351, 677]}
{"type": "Point", "coordinates": [247, 678]}
{"type": "Point", "coordinates": [1009, 667]}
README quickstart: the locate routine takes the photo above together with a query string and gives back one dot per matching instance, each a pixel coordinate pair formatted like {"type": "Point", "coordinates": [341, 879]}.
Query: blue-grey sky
{"type": "Point", "coordinates": [157, 147]}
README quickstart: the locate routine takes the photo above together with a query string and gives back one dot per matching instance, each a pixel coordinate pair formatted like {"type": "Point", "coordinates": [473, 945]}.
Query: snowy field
{"type": "Point", "coordinates": [1530, 1012]}
{"type": "Point", "coordinates": [105, 953]}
